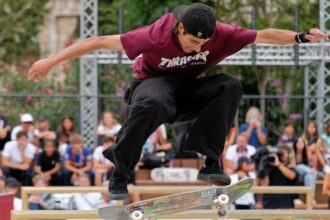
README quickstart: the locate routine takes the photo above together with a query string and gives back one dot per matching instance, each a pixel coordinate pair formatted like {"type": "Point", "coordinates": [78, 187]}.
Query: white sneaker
{"type": "Point", "coordinates": [326, 169]}
{"type": "Point", "coordinates": [298, 202]}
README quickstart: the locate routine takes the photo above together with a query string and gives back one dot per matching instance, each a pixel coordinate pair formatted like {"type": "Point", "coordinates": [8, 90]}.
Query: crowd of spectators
{"type": "Point", "coordinates": [33, 154]}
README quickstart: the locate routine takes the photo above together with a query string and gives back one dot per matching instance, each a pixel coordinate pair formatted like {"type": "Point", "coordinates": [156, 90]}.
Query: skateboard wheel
{"type": "Point", "coordinates": [137, 215]}
{"type": "Point", "coordinates": [223, 199]}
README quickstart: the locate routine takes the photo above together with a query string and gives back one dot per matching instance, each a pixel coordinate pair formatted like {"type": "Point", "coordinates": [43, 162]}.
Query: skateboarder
{"type": "Point", "coordinates": [175, 50]}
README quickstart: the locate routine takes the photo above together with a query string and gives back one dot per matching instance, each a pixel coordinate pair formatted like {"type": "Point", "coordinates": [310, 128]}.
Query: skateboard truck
{"type": "Point", "coordinates": [221, 203]}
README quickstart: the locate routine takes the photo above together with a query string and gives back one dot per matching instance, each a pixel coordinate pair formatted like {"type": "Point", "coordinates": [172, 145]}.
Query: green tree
{"type": "Point", "coordinates": [20, 21]}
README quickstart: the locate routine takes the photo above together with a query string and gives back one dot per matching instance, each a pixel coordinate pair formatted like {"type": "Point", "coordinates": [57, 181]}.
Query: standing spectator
{"type": "Point", "coordinates": [2, 184]}
{"type": "Point", "coordinates": [234, 152]}
{"type": "Point", "coordinates": [48, 163]}
{"type": "Point", "coordinates": [77, 160]}
{"type": "Point", "coordinates": [244, 170]}
{"type": "Point", "coordinates": [87, 201]}
{"type": "Point", "coordinates": [108, 126]}
{"type": "Point", "coordinates": [37, 201]}
{"type": "Point", "coordinates": [280, 175]}
{"type": "Point", "coordinates": [17, 158]}
{"type": "Point", "coordinates": [67, 128]}
{"type": "Point", "coordinates": [307, 174]}
{"type": "Point", "coordinates": [42, 132]}
{"type": "Point", "coordinates": [102, 166]}
{"type": "Point", "coordinates": [312, 138]}
{"type": "Point", "coordinates": [26, 126]}
{"type": "Point", "coordinates": [255, 132]}
{"type": "Point", "coordinates": [12, 186]}
{"type": "Point", "coordinates": [4, 131]}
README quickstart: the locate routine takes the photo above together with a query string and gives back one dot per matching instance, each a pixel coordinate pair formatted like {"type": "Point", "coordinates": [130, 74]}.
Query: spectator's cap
{"type": "Point", "coordinates": [26, 118]}
{"type": "Point", "coordinates": [198, 19]}
{"type": "Point", "coordinates": [41, 118]}
{"type": "Point", "coordinates": [244, 160]}
{"type": "Point", "coordinates": [11, 182]}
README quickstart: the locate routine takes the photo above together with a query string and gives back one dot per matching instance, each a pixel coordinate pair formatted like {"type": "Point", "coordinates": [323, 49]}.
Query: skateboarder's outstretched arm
{"type": "Point", "coordinates": [282, 37]}
{"type": "Point", "coordinates": [40, 69]}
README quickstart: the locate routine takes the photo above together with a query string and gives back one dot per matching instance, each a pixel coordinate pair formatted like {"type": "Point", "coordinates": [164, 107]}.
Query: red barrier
{"type": "Point", "coordinates": [6, 205]}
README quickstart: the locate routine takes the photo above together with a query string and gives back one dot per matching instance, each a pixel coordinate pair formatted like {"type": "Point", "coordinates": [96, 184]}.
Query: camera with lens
{"type": "Point", "coordinates": [264, 159]}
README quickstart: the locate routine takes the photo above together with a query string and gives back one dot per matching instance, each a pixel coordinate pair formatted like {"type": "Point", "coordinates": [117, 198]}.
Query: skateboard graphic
{"type": "Point", "coordinates": [218, 196]}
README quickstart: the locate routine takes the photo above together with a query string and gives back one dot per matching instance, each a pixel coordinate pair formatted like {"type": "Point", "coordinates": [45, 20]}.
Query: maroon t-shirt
{"type": "Point", "coordinates": [162, 53]}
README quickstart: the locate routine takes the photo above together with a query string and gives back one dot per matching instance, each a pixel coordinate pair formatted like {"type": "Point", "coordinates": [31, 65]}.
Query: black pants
{"type": "Point", "coordinates": [212, 101]}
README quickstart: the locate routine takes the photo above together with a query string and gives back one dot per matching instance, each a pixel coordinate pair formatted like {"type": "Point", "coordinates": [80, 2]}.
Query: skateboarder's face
{"type": "Point", "coordinates": [189, 43]}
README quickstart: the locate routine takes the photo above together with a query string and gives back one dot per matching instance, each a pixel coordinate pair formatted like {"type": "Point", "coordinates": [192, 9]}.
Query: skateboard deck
{"type": "Point", "coordinates": [217, 196]}
{"type": "Point", "coordinates": [174, 174]}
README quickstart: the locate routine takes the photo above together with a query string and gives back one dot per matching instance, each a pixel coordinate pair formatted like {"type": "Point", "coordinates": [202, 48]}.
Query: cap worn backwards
{"type": "Point", "coordinates": [198, 19]}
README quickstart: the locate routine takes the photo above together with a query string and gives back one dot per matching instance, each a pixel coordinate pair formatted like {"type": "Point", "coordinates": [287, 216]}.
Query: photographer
{"type": "Point", "coordinates": [278, 173]}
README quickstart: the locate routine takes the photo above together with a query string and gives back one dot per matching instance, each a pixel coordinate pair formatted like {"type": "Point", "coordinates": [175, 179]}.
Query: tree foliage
{"type": "Point", "coordinates": [20, 21]}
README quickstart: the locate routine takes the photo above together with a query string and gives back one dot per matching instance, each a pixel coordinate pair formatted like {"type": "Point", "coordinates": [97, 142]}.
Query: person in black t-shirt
{"type": "Point", "coordinates": [48, 163]}
{"type": "Point", "coordinates": [281, 175]}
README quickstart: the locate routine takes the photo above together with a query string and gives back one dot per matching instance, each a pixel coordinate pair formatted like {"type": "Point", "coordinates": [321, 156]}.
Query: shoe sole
{"type": "Point", "coordinates": [213, 179]}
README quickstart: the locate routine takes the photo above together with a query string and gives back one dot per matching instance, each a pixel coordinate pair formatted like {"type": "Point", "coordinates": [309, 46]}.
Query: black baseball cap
{"type": "Point", "coordinates": [244, 160]}
{"type": "Point", "coordinates": [198, 19]}
{"type": "Point", "coordinates": [11, 182]}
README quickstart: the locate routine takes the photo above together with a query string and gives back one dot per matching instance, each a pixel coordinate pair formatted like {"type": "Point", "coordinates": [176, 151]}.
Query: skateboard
{"type": "Point", "coordinates": [174, 174]}
{"type": "Point", "coordinates": [219, 197]}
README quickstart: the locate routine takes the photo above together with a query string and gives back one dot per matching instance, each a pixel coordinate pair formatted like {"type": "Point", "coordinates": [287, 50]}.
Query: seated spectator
{"type": "Point", "coordinates": [48, 163]}
{"type": "Point", "coordinates": [281, 174]}
{"type": "Point", "coordinates": [17, 158]}
{"type": "Point", "coordinates": [307, 174]}
{"type": "Point", "coordinates": [67, 128]}
{"type": "Point", "coordinates": [154, 153]}
{"type": "Point", "coordinates": [325, 146]}
{"type": "Point", "coordinates": [26, 126]}
{"type": "Point", "coordinates": [2, 184]}
{"type": "Point", "coordinates": [288, 137]}
{"type": "Point", "coordinates": [234, 152]}
{"type": "Point", "coordinates": [326, 187]}
{"type": "Point", "coordinates": [77, 159]}
{"type": "Point", "coordinates": [108, 126]}
{"type": "Point", "coordinates": [244, 169]}
{"type": "Point", "coordinates": [4, 131]}
{"type": "Point", "coordinates": [12, 186]}
{"type": "Point", "coordinates": [157, 141]}
{"type": "Point", "coordinates": [37, 201]}
{"type": "Point", "coordinates": [255, 132]}
{"type": "Point", "coordinates": [42, 132]}
{"type": "Point", "coordinates": [87, 201]}
{"type": "Point", "coordinates": [102, 166]}
{"type": "Point", "coordinates": [312, 138]}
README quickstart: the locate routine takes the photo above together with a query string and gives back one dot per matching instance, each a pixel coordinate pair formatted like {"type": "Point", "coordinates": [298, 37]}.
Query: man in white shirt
{"type": "Point", "coordinates": [17, 158]}
{"type": "Point", "coordinates": [26, 125]}
{"type": "Point", "coordinates": [234, 152]}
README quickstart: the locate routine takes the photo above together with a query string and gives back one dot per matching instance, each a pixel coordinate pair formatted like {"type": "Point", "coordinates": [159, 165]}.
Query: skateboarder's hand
{"type": "Point", "coordinates": [316, 35]}
{"type": "Point", "coordinates": [39, 70]}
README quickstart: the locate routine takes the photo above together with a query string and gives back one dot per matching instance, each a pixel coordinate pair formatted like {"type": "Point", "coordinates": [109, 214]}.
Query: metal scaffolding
{"type": "Point", "coordinates": [313, 57]}
{"type": "Point", "coordinates": [88, 74]}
